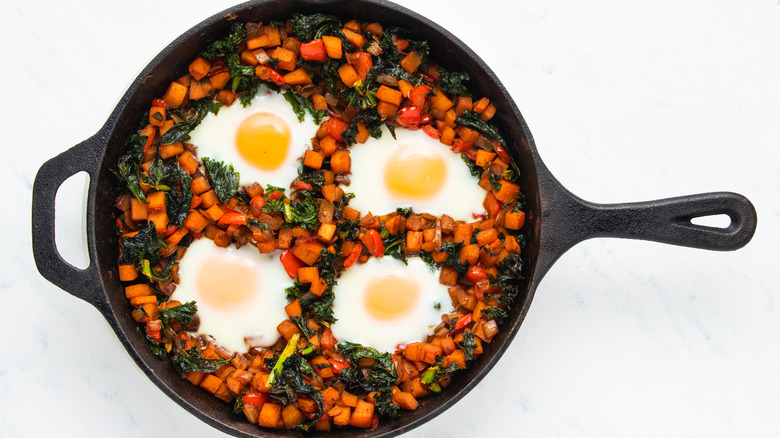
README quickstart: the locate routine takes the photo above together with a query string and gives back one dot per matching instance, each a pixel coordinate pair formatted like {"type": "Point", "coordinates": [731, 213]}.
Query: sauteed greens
{"type": "Point", "coordinates": [354, 78]}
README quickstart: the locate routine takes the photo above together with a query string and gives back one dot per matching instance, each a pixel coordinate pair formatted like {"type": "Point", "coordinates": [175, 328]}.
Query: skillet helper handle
{"type": "Point", "coordinates": [81, 283]}
{"type": "Point", "coordinates": [669, 220]}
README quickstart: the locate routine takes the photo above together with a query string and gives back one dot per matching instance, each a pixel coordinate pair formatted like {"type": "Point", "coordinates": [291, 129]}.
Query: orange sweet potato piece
{"type": "Point", "coordinates": [363, 415]}
{"type": "Point", "coordinates": [390, 95]}
{"type": "Point", "coordinates": [411, 61]}
{"type": "Point", "coordinates": [195, 222]}
{"type": "Point", "coordinates": [298, 76]}
{"type": "Point", "coordinates": [292, 417]}
{"type": "Point", "coordinates": [348, 75]}
{"type": "Point", "coordinates": [270, 415]}
{"type": "Point", "coordinates": [308, 251]}
{"type": "Point", "coordinates": [508, 191]}
{"type": "Point", "coordinates": [287, 329]}
{"type": "Point", "coordinates": [341, 162]}
{"type": "Point", "coordinates": [333, 46]}
{"type": "Point", "coordinates": [199, 68]}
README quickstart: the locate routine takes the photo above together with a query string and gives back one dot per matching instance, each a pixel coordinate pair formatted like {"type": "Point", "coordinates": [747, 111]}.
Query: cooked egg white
{"type": "Point", "coordinates": [263, 141]}
{"type": "Point", "coordinates": [239, 293]}
{"type": "Point", "coordinates": [412, 170]}
{"type": "Point", "coordinates": [384, 303]}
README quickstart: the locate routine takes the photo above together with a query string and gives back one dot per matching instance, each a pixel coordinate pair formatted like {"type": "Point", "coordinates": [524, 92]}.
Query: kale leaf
{"type": "Point", "coordinates": [182, 313]}
{"type": "Point", "coordinates": [187, 361]}
{"type": "Point", "coordinates": [181, 131]}
{"type": "Point", "coordinates": [495, 313]}
{"type": "Point", "coordinates": [301, 106]}
{"type": "Point", "coordinates": [380, 376]}
{"type": "Point", "coordinates": [144, 245]}
{"type": "Point", "coordinates": [475, 170]}
{"type": "Point", "coordinates": [453, 82]}
{"type": "Point", "coordinates": [452, 250]}
{"type": "Point", "coordinates": [472, 120]}
{"type": "Point", "coordinates": [224, 179]}
{"type": "Point", "coordinates": [468, 344]}
{"type": "Point", "coordinates": [129, 166]}
{"type": "Point", "coordinates": [177, 202]}
{"type": "Point", "coordinates": [311, 27]}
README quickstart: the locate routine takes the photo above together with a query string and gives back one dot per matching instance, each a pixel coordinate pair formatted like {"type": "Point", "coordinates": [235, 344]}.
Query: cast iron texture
{"type": "Point", "coordinates": [557, 220]}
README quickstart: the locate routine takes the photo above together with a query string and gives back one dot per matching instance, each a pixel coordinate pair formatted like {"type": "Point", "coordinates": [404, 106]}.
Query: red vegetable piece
{"type": "Point", "coordinates": [363, 64]}
{"type": "Point", "coordinates": [491, 204]}
{"type": "Point", "coordinates": [337, 365]}
{"type": "Point", "coordinates": [409, 117]}
{"type": "Point", "coordinates": [158, 103]}
{"type": "Point", "coordinates": [327, 341]}
{"type": "Point", "coordinates": [301, 185]}
{"type": "Point", "coordinates": [419, 94]}
{"type": "Point", "coordinates": [257, 202]}
{"type": "Point", "coordinates": [500, 151]}
{"type": "Point", "coordinates": [461, 146]}
{"type": "Point", "coordinates": [291, 263]}
{"type": "Point", "coordinates": [335, 127]}
{"type": "Point", "coordinates": [462, 323]}
{"type": "Point", "coordinates": [154, 329]}
{"type": "Point", "coordinates": [314, 51]}
{"type": "Point", "coordinates": [232, 217]}
{"type": "Point", "coordinates": [374, 243]}
{"type": "Point", "coordinates": [476, 273]}
{"type": "Point", "coordinates": [275, 195]}
{"type": "Point", "coordinates": [353, 256]}
{"type": "Point", "coordinates": [256, 399]}
{"type": "Point", "coordinates": [431, 132]}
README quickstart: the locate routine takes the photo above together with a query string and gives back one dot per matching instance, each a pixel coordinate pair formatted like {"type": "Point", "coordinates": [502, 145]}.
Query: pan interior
{"type": "Point", "coordinates": [172, 63]}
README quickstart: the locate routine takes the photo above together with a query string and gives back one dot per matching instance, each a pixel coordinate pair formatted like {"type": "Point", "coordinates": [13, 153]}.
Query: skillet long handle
{"type": "Point", "coordinates": [568, 220]}
{"type": "Point", "coordinates": [81, 283]}
{"type": "Point", "coordinates": [670, 220]}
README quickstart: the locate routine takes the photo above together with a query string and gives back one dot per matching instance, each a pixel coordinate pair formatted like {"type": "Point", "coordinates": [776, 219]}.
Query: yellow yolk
{"type": "Point", "coordinates": [226, 282]}
{"type": "Point", "coordinates": [390, 297]}
{"type": "Point", "coordinates": [263, 140]}
{"type": "Point", "coordinates": [414, 172]}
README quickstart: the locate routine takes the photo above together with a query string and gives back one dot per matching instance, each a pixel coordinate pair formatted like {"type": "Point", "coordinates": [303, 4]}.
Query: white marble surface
{"type": "Point", "coordinates": [627, 101]}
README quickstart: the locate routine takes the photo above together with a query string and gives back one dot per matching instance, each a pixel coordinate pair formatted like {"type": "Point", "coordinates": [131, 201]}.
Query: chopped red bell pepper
{"type": "Point", "coordinates": [335, 127]}
{"type": "Point", "coordinates": [170, 229]}
{"type": "Point", "coordinates": [431, 131]}
{"type": "Point", "coordinates": [491, 204]}
{"type": "Point", "coordinates": [373, 242]}
{"type": "Point", "coordinates": [353, 256]}
{"type": "Point", "coordinates": [419, 95]}
{"type": "Point", "coordinates": [327, 341]}
{"type": "Point", "coordinates": [301, 185]}
{"type": "Point", "coordinates": [462, 323]}
{"type": "Point", "coordinates": [291, 263]}
{"type": "Point", "coordinates": [461, 146]}
{"type": "Point", "coordinates": [275, 195]}
{"type": "Point", "coordinates": [476, 273]}
{"type": "Point", "coordinates": [337, 365]}
{"type": "Point", "coordinates": [256, 399]}
{"type": "Point", "coordinates": [158, 103]}
{"type": "Point", "coordinates": [184, 341]}
{"type": "Point", "coordinates": [314, 51]}
{"type": "Point", "coordinates": [232, 217]}
{"type": "Point", "coordinates": [363, 64]}
{"type": "Point", "coordinates": [154, 329]}
{"type": "Point", "coordinates": [500, 151]}
{"type": "Point", "coordinates": [257, 202]}
{"type": "Point", "coordinates": [409, 117]}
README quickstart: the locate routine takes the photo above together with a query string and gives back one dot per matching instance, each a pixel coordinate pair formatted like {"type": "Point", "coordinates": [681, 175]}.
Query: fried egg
{"type": "Point", "coordinates": [239, 293]}
{"type": "Point", "coordinates": [412, 170]}
{"type": "Point", "coordinates": [384, 303]}
{"type": "Point", "coordinates": [263, 141]}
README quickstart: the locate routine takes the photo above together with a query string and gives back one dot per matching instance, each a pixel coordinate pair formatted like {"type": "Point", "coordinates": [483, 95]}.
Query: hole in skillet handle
{"type": "Point", "coordinates": [81, 283]}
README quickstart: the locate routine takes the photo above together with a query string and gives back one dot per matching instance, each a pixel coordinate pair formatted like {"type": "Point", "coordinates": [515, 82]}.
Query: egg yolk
{"type": "Point", "coordinates": [226, 282]}
{"type": "Point", "coordinates": [413, 172]}
{"type": "Point", "coordinates": [390, 297]}
{"type": "Point", "coordinates": [263, 140]}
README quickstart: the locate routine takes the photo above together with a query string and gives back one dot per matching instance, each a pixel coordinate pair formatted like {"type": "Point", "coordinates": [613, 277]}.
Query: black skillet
{"type": "Point", "coordinates": [557, 219]}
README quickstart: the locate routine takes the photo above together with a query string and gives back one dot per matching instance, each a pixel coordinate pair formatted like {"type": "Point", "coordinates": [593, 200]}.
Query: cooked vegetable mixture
{"type": "Point", "coordinates": [356, 80]}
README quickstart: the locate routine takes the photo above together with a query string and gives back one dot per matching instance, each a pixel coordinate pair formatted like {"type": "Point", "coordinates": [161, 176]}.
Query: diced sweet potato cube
{"type": "Point", "coordinates": [363, 415]}
{"type": "Point", "coordinates": [313, 159]}
{"type": "Point", "coordinates": [137, 290]}
{"type": "Point", "coordinates": [469, 254]}
{"type": "Point", "coordinates": [333, 46]}
{"type": "Point", "coordinates": [355, 38]}
{"type": "Point", "coordinates": [160, 219]}
{"type": "Point", "coordinates": [348, 75]}
{"type": "Point", "coordinates": [463, 233]}
{"type": "Point", "coordinates": [187, 162]}
{"type": "Point", "coordinates": [138, 210]}
{"type": "Point", "coordinates": [287, 58]}
{"type": "Point", "coordinates": [414, 241]}
{"type": "Point", "coordinates": [342, 417]}
{"type": "Point", "coordinates": [171, 150]}
{"type": "Point", "coordinates": [292, 417]}
{"type": "Point", "coordinates": [219, 80]}
{"type": "Point", "coordinates": [348, 399]}
{"type": "Point", "coordinates": [341, 162]}
{"type": "Point", "coordinates": [175, 94]}
{"type": "Point", "coordinates": [448, 276]}
{"type": "Point", "coordinates": [195, 222]}
{"type": "Point", "coordinates": [389, 95]}
{"type": "Point", "coordinates": [508, 191]}
{"type": "Point", "coordinates": [199, 68]}
{"type": "Point", "coordinates": [156, 116]}
{"type": "Point", "coordinates": [411, 61]}
{"type": "Point", "coordinates": [200, 185]}
{"type": "Point", "coordinates": [298, 76]}
{"type": "Point", "coordinates": [270, 415]}
{"type": "Point", "coordinates": [308, 252]}
{"type": "Point", "coordinates": [211, 383]}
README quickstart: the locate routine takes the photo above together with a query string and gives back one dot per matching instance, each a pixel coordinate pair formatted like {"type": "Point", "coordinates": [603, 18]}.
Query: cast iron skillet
{"type": "Point", "coordinates": [557, 219]}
